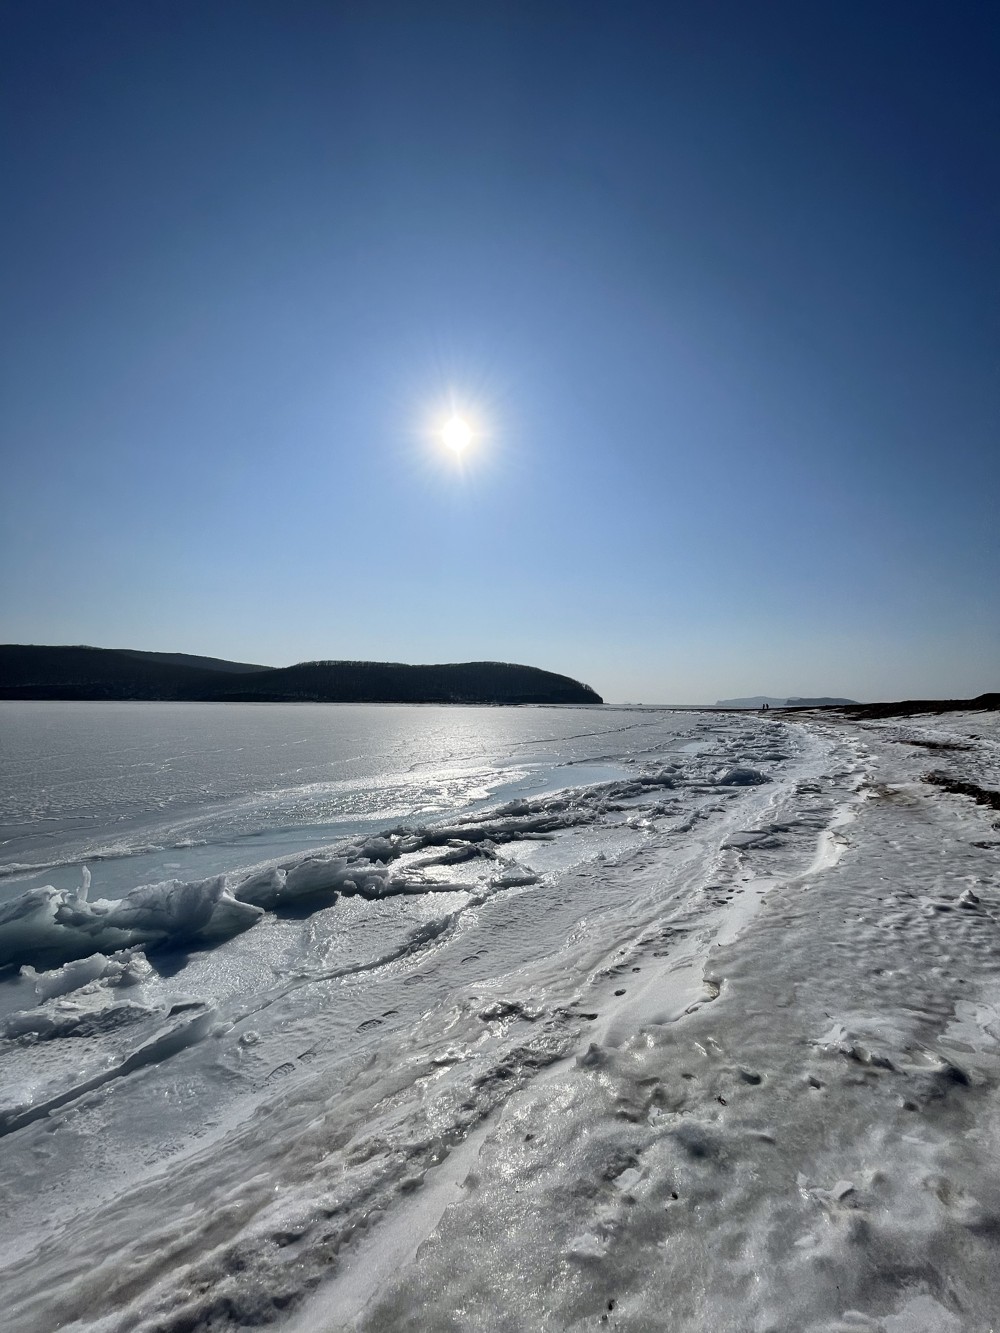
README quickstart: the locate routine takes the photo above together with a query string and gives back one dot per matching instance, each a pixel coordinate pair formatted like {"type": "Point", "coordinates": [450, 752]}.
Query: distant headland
{"type": "Point", "coordinates": [29, 671]}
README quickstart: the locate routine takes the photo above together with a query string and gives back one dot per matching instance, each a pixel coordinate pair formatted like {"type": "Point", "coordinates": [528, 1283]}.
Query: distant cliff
{"type": "Point", "coordinates": [35, 672]}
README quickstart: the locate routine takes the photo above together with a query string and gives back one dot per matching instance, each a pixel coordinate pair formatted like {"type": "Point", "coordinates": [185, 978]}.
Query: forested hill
{"type": "Point", "coordinates": [35, 672]}
{"type": "Point", "coordinates": [395, 682]}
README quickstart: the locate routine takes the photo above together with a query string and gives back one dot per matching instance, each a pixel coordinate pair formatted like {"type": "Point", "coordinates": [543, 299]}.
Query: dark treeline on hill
{"type": "Point", "coordinates": [35, 672]}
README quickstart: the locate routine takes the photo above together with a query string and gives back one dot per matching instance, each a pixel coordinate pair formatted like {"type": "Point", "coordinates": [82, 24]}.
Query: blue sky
{"type": "Point", "coordinates": [717, 283]}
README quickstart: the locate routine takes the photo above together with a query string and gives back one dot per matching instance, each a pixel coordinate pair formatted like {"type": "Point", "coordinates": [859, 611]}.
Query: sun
{"type": "Point", "coordinates": [456, 434]}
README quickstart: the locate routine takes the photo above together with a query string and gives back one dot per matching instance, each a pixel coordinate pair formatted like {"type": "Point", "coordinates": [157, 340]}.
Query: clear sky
{"type": "Point", "coordinates": [717, 286]}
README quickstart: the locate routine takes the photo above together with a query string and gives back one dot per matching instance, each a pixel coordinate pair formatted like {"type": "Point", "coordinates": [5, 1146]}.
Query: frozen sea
{"type": "Point", "coordinates": [180, 789]}
{"type": "Point", "coordinates": [383, 1017]}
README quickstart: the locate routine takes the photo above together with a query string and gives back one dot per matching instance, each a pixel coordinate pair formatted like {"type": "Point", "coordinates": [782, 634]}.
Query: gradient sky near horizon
{"type": "Point", "coordinates": [717, 285]}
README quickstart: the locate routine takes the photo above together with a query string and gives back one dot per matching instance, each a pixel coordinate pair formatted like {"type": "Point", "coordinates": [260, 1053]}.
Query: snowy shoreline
{"type": "Point", "coordinates": [758, 1091]}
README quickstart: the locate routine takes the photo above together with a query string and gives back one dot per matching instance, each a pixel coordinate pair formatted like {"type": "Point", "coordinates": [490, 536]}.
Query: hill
{"type": "Point", "coordinates": [188, 659]}
{"type": "Point", "coordinates": [80, 673]}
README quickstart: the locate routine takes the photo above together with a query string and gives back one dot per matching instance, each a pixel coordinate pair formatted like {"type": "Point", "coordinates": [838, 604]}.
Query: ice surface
{"type": "Point", "coordinates": [665, 1051]}
{"type": "Point", "coordinates": [47, 924]}
{"type": "Point", "coordinates": [166, 790]}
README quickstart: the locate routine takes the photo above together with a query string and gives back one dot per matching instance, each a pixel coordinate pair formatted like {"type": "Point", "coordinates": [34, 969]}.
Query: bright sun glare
{"type": "Point", "coordinates": [456, 434]}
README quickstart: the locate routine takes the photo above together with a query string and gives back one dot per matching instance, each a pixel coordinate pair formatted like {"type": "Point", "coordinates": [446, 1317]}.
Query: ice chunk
{"type": "Point", "coordinates": [49, 1021]}
{"type": "Point", "coordinates": [127, 969]}
{"type": "Point", "coordinates": [513, 876]}
{"type": "Point", "coordinates": [262, 889]}
{"type": "Point", "coordinates": [740, 777]}
{"type": "Point", "coordinates": [68, 978]}
{"type": "Point", "coordinates": [380, 849]}
{"type": "Point", "coordinates": [49, 925]}
{"type": "Point", "coordinates": [53, 926]}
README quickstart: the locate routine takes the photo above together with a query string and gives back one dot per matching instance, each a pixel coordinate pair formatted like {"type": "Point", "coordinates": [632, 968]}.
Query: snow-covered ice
{"type": "Point", "coordinates": [709, 1042]}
